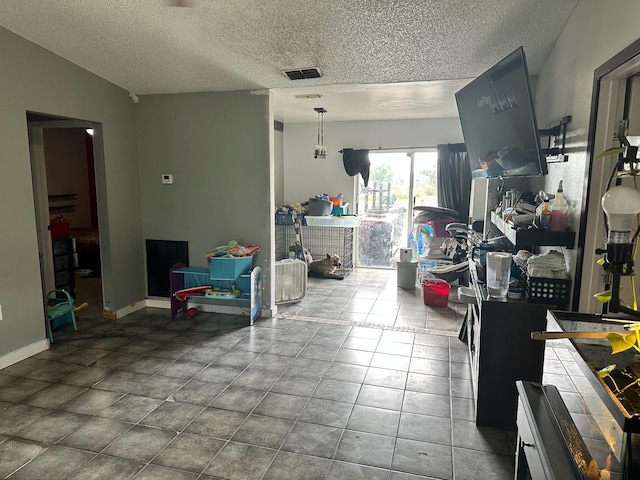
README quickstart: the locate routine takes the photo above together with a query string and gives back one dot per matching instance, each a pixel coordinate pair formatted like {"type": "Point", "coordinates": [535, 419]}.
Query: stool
{"type": "Point", "coordinates": [60, 310]}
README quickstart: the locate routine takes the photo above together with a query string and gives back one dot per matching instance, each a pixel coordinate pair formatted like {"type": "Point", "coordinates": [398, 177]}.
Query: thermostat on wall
{"type": "Point", "coordinates": [167, 178]}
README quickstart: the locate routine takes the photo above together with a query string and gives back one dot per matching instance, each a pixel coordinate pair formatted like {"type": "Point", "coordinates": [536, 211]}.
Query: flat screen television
{"type": "Point", "coordinates": [499, 123]}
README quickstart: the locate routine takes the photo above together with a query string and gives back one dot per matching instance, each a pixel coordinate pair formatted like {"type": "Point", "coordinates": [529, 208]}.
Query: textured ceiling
{"type": "Point", "coordinates": [171, 46]}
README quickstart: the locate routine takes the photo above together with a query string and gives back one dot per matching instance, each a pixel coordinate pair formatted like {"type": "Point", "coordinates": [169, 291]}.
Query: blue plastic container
{"type": "Point", "coordinates": [229, 268]}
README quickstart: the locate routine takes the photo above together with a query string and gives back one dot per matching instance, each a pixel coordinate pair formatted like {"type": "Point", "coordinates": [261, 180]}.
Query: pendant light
{"type": "Point", "coordinates": [320, 151]}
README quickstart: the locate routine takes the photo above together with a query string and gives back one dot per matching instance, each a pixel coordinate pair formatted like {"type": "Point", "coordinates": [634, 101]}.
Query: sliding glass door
{"type": "Point", "coordinates": [398, 181]}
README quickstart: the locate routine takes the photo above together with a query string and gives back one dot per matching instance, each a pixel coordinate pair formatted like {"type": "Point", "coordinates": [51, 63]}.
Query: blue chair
{"type": "Point", "coordinates": [60, 310]}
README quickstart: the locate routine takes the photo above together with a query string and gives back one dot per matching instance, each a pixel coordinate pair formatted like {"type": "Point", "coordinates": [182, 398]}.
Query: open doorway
{"type": "Point", "coordinates": [616, 100]}
{"type": "Point", "coordinates": [62, 157]}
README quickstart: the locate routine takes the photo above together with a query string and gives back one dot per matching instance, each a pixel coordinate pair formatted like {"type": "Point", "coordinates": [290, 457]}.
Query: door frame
{"type": "Point", "coordinates": [40, 190]}
{"type": "Point", "coordinates": [607, 109]}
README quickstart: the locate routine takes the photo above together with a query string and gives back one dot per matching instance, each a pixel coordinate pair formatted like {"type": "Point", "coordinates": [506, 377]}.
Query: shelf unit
{"type": "Point", "coordinates": [63, 203]}
{"type": "Point", "coordinates": [63, 268]}
{"type": "Point", "coordinates": [524, 238]}
{"type": "Point", "coordinates": [501, 351]}
{"type": "Point", "coordinates": [249, 282]}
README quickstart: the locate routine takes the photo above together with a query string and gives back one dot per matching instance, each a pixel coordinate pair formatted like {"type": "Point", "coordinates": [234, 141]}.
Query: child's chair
{"type": "Point", "coordinates": [60, 310]}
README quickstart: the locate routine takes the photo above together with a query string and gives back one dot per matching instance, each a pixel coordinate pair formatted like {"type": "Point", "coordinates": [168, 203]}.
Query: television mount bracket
{"type": "Point", "coordinates": [556, 143]}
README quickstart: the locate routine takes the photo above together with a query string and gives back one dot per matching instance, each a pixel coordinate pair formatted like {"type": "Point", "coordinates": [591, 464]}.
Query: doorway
{"type": "Point", "coordinates": [616, 100]}
{"type": "Point", "coordinates": [398, 181]}
{"type": "Point", "coordinates": [63, 172]}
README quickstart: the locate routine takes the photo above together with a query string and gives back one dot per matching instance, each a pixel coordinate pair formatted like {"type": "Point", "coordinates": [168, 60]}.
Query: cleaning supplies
{"type": "Point", "coordinates": [545, 216]}
{"type": "Point", "coordinates": [559, 211]}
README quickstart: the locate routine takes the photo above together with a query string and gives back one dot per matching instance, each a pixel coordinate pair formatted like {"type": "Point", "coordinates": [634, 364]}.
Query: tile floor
{"type": "Point", "coordinates": [147, 397]}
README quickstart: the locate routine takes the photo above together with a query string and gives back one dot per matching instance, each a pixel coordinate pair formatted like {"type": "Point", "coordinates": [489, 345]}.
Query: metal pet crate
{"type": "Point", "coordinates": [319, 240]}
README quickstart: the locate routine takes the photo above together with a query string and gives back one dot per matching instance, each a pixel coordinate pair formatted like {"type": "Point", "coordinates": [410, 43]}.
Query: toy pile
{"type": "Point", "coordinates": [232, 249]}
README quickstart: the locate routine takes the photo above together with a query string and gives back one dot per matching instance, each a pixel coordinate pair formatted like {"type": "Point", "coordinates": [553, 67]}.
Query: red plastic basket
{"type": "Point", "coordinates": [436, 293]}
{"type": "Point", "coordinates": [59, 228]}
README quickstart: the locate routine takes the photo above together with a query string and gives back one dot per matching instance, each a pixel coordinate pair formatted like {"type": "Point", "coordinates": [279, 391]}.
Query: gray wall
{"type": "Point", "coordinates": [216, 146]}
{"type": "Point", "coordinates": [34, 79]}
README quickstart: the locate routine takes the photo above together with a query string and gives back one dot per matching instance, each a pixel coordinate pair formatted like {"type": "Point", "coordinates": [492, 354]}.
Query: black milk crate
{"type": "Point", "coordinates": [549, 291]}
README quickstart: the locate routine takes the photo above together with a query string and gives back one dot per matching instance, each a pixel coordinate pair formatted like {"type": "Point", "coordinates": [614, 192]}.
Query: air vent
{"type": "Point", "coordinates": [303, 73]}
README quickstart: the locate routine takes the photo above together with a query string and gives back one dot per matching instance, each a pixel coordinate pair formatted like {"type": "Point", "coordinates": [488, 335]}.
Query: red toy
{"type": "Point", "coordinates": [192, 312]}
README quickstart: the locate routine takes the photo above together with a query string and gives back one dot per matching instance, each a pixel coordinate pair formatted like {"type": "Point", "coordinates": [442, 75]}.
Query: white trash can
{"type": "Point", "coordinates": [407, 274]}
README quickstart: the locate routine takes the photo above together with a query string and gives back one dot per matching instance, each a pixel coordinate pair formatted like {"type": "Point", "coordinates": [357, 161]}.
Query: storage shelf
{"type": "Point", "coordinates": [521, 239]}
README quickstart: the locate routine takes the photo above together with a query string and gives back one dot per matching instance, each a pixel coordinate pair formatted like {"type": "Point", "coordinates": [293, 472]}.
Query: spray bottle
{"type": "Point", "coordinates": [559, 211]}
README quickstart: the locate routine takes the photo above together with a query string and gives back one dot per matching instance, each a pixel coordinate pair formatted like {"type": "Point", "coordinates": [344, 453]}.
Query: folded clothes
{"type": "Point", "coordinates": [550, 264]}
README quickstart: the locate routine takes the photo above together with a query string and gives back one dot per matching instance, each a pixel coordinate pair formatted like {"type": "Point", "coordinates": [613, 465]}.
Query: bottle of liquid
{"type": "Point", "coordinates": [559, 212]}
{"type": "Point", "coordinates": [545, 216]}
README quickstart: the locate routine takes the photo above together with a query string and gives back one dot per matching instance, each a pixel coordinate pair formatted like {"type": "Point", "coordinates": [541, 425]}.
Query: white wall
{"type": "Point", "coordinates": [596, 32]}
{"type": "Point", "coordinates": [305, 176]}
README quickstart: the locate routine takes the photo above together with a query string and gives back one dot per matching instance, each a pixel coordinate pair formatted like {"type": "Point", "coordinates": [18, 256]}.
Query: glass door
{"type": "Point", "coordinates": [398, 180]}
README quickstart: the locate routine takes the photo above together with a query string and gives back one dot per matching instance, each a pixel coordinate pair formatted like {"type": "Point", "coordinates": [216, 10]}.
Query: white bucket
{"type": "Point", "coordinates": [407, 274]}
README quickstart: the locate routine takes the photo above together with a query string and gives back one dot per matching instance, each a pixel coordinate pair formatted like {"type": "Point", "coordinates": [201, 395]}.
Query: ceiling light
{"type": "Point", "coordinates": [319, 150]}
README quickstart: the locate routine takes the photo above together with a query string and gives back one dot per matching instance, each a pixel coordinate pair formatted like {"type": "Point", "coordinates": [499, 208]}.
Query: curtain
{"type": "Point", "coordinates": [454, 178]}
{"type": "Point", "coordinates": [356, 162]}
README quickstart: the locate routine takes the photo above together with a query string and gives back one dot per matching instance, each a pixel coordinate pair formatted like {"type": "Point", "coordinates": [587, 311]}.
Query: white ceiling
{"type": "Point", "coordinates": [379, 58]}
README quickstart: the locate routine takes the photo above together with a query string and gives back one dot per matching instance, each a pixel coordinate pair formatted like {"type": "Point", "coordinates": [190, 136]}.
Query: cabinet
{"type": "Point", "coordinates": [63, 268]}
{"type": "Point", "coordinates": [501, 351]}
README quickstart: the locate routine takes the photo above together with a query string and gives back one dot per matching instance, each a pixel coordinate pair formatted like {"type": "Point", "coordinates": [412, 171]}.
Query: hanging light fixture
{"type": "Point", "coordinates": [320, 151]}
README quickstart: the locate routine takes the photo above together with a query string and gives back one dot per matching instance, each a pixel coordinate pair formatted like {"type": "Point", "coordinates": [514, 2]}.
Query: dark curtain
{"type": "Point", "coordinates": [454, 178]}
{"type": "Point", "coordinates": [356, 162]}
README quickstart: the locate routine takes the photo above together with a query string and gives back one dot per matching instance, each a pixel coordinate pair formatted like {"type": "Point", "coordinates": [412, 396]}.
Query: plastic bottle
{"type": "Point", "coordinates": [559, 212]}
{"type": "Point", "coordinates": [545, 216]}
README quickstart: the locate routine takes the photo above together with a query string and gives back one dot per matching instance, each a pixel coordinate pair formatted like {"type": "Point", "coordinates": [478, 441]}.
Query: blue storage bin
{"type": "Point", "coordinates": [229, 268]}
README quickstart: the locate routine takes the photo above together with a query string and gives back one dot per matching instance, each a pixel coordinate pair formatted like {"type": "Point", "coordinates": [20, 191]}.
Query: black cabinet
{"type": "Point", "coordinates": [63, 268]}
{"type": "Point", "coordinates": [501, 351]}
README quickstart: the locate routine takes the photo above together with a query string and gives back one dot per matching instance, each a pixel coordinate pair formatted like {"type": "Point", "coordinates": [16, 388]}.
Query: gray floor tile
{"type": "Point", "coordinates": [121, 381]}
{"type": "Point", "coordinates": [382, 397]}
{"type": "Point", "coordinates": [130, 408]}
{"type": "Point", "coordinates": [85, 377]}
{"type": "Point", "coordinates": [139, 443]}
{"type": "Point", "coordinates": [55, 463]}
{"type": "Point", "coordinates": [474, 464]}
{"type": "Point", "coordinates": [21, 388]}
{"type": "Point", "coordinates": [198, 393]}
{"type": "Point", "coordinates": [16, 417]}
{"type": "Point", "coordinates": [427, 404]}
{"type": "Point", "coordinates": [346, 372]}
{"type": "Point", "coordinates": [374, 420]}
{"type": "Point", "coordinates": [424, 458]}
{"type": "Point", "coordinates": [256, 378]}
{"type": "Point", "coordinates": [95, 434]}
{"type": "Point", "coordinates": [296, 384]}
{"type": "Point", "coordinates": [425, 428]}
{"type": "Point", "coordinates": [155, 472]}
{"type": "Point", "coordinates": [366, 448]}
{"type": "Point", "coordinates": [326, 412]}
{"type": "Point", "coordinates": [172, 415]}
{"type": "Point", "coordinates": [354, 471]}
{"type": "Point", "coordinates": [54, 396]}
{"type": "Point", "coordinates": [355, 357]}
{"type": "Point", "coordinates": [159, 386]}
{"type": "Point", "coordinates": [420, 382]}
{"type": "Point", "coordinates": [104, 466]}
{"type": "Point", "coordinates": [241, 462]}
{"type": "Point", "coordinates": [281, 405]}
{"type": "Point", "coordinates": [91, 402]}
{"type": "Point", "coordinates": [215, 422]}
{"type": "Point", "coordinates": [292, 466]}
{"type": "Point", "coordinates": [263, 431]}
{"type": "Point", "coordinates": [52, 427]}
{"type": "Point", "coordinates": [310, 439]}
{"type": "Point", "coordinates": [337, 390]}
{"type": "Point", "coordinates": [237, 398]}
{"type": "Point", "coordinates": [189, 452]}
{"type": "Point", "coordinates": [15, 453]}
{"type": "Point", "coordinates": [383, 377]}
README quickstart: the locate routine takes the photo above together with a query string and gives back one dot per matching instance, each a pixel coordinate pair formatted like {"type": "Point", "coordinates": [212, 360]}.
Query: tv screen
{"type": "Point", "coordinates": [499, 123]}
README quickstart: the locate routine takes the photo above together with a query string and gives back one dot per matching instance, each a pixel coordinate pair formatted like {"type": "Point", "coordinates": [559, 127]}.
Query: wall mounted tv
{"type": "Point", "coordinates": [499, 123]}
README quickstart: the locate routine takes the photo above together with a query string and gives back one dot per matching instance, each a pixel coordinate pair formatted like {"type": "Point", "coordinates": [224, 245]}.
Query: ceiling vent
{"type": "Point", "coordinates": [308, 95]}
{"type": "Point", "coordinates": [303, 73]}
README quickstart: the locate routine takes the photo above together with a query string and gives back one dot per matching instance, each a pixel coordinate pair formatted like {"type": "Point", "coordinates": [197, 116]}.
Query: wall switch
{"type": "Point", "coordinates": [0, 312]}
{"type": "Point", "coordinates": [167, 178]}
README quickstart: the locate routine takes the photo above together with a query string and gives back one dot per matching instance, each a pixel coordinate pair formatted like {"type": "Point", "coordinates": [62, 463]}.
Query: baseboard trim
{"type": "Point", "coordinates": [24, 352]}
